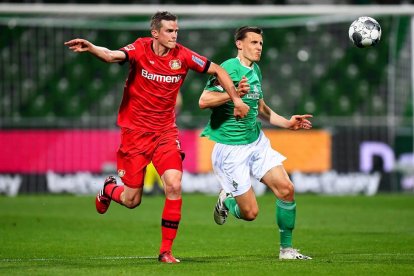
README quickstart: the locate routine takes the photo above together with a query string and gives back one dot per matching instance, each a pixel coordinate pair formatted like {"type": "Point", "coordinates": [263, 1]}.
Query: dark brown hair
{"type": "Point", "coordinates": [241, 32]}
{"type": "Point", "coordinates": [161, 15]}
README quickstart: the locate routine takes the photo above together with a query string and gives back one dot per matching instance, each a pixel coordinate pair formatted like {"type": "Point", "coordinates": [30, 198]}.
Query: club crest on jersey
{"type": "Point", "coordinates": [175, 64]}
{"type": "Point", "coordinates": [121, 173]}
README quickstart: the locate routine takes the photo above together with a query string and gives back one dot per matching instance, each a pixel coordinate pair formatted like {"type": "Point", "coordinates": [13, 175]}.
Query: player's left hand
{"type": "Point", "coordinates": [243, 87]}
{"type": "Point", "coordinates": [300, 121]}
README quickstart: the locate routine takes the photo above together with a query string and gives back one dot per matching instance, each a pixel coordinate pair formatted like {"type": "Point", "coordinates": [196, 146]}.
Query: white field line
{"type": "Point", "coordinates": [375, 254]}
{"type": "Point", "coordinates": [155, 257]}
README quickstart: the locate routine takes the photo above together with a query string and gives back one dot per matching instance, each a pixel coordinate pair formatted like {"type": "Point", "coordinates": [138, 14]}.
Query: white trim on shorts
{"type": "Point", "coordinates": [235, 164]}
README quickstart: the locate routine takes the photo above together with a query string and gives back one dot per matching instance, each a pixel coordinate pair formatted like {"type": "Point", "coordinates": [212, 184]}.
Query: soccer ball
{"type": "Point", "coordinates": [365, 32]}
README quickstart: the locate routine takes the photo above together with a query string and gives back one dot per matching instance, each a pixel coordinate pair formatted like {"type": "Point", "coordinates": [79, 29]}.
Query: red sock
{"type": "Point", "coordinates": [169, 224]}
{"type": "Point", "coordinates": [114, 191]}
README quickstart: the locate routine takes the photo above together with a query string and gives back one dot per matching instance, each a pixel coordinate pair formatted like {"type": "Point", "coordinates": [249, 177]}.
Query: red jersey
{"type": "Point", "coordinates": [153, 83]}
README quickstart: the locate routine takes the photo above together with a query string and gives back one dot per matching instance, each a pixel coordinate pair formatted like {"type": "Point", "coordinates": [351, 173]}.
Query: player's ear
{"type": "Point", "coordinates": [154, 34]}
{"type": "Point", "coordinates": [238, 44]}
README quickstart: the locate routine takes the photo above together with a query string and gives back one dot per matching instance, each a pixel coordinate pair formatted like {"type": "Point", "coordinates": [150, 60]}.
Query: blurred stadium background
{"type": "Point", "coordinates": [58, 109]}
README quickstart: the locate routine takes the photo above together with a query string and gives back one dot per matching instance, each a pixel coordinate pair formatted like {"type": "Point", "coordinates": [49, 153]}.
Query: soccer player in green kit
{"type": "Point", "coordinates": [242, 150]}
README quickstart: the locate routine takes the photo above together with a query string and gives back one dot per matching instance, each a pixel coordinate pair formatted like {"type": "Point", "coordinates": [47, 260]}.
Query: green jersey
{"type": "Point", "coordinates": [223, 126]}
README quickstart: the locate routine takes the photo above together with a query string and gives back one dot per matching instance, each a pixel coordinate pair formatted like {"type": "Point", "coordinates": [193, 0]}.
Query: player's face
{"type": "Point", "coordinates": [167, 35]}
{"type": "Point", "coordinates": [251, 47]}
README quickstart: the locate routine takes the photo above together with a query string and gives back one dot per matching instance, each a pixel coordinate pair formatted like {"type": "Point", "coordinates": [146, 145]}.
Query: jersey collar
{"type": "Point", "coordinates": [241, 63]}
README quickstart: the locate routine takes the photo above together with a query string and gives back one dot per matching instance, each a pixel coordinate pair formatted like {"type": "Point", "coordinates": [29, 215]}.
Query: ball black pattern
{"type": "Point", "coordinates": [365, 32]}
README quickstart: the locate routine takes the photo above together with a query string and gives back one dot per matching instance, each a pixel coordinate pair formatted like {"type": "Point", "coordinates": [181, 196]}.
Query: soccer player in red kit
{"type": "Point", "coordinates": [158, 66]}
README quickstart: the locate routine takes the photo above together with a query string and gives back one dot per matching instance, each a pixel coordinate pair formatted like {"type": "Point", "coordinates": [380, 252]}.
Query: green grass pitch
{"type": "Point", "coordinates": [63, 235]}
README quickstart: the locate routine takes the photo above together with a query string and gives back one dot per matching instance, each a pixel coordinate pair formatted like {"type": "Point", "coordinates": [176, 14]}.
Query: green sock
{"type": "Point", "coordinates": [234, 209]}
{"type": "Point", "coordinates": [285, 217]}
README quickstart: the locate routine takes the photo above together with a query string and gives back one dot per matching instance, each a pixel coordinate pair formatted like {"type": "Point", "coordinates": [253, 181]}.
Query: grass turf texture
{"type": "Point", "coordinates": [63, 235]}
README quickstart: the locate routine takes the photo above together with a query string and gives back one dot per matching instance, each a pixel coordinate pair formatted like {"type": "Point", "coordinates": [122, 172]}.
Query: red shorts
{"type": "Point", "coordinates": [139, 148]}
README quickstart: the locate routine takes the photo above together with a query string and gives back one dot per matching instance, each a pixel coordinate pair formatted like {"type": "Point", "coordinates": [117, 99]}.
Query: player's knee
{"type": "Point", "coordinates": [132, 203]}
{"type": "Point", "coordinates": [250, 214]}
{"type": "Point", "coordinates": [287, 191]}
{"type": "Point", "coordinates": [176, 187]}
{"type": "Point", "coordinates": [172, 184]}
{"type": "Point", "coordinates": [173, 189]}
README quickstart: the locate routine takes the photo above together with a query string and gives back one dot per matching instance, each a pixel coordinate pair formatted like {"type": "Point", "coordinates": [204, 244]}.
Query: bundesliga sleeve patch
{"type": "Point", "coordinates": [198, 61]}
{"type": "Point", "coordinates": [129, 47]}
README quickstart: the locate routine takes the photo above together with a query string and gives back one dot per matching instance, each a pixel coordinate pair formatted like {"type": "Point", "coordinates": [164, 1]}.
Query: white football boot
{"type": "Point", "coordinates": [220, 210]}
{"type": "Point", "coordinates": [290, 253]}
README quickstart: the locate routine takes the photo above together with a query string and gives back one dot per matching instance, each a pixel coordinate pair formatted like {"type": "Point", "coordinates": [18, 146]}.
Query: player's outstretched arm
{"type": "Point", "coordinates": [294, 123]}
{"type": "Point", "coordinates": [209, 99]}
{"type": "Point", "coordinates": [240, 108]}
{"type": "Point", "coordinates": [80, 45]}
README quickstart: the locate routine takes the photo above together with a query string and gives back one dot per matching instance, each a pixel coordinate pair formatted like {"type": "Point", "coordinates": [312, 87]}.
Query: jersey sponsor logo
{"type": "Point", "coordinates": [198, 60]}
{"type": "Point", "coordinates": [175, 64]}
{"type": "Point", "coordinates": [253, 96]}
{"type": "Point", "coordinates": [129, 47]}
{"type": "Point", "coordinates": [160, 78]}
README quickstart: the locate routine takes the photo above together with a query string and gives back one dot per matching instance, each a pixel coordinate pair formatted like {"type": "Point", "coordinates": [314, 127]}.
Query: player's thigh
{"type": "Point", "coordinates": [264, 157]}
{"type": "Point", "coordinates": [231, 166]}
{"type": "Point", "coordinates": [132, 169]}
{"type": "Point", "coordinates": [133, 156]}
{"type": "Point", "coordinates": [168, 154]}
{"type": "Point", "coordinates": [279, 182]}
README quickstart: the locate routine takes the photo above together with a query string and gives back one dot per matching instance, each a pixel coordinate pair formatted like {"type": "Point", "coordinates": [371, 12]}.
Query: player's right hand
{"type": "Point", "coordinates": [243, 87]}
{"type": "Point", "coordinates": [240, 109]}
{"type": "Point", "coordinates": [79, 45]}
